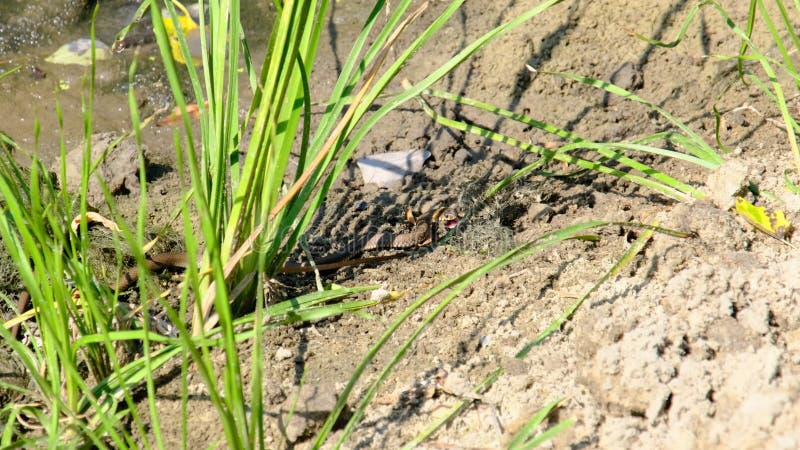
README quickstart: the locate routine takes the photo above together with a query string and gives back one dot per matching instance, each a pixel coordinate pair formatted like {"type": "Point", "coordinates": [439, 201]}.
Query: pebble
{"type": "Point", "coordinates": [461, 157]}
{"type": "Point", "coordinates": [724, 183]}
{"type": "Point", "coordinates": [283, 353]}
{"type": "Point", "coordinates": [627, 76]}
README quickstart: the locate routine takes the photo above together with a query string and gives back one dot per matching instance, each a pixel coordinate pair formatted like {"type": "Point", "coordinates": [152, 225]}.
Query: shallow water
{"type": "Point", "coordinates": [32, 30]}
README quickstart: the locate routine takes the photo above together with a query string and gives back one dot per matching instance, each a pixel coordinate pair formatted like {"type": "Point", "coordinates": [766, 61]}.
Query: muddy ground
{"type": "Point", "coordinates": [696, 344]}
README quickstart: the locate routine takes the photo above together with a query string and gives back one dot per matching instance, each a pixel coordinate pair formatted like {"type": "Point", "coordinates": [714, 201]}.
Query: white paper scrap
{"type": "Point", "coordinates": [388, 169]}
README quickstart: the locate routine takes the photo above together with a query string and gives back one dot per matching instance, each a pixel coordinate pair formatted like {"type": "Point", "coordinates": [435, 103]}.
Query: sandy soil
{"type": "Point", "coordinates": [695, 345]}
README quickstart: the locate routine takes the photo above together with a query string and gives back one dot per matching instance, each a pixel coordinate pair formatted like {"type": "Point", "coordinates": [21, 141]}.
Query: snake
{"type": "Point", "coordinates": [425, 231]}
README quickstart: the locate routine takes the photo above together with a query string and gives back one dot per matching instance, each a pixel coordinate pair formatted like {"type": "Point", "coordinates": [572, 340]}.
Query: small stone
{"type": "Point", "coordinates": [756, 318]}
{"type": "Point", "coordinates": [658, 402]}
{"type": "Point", "coordinates": [380, 294]}
{"type": "Point", "coordinates": [793, 345]}
{"type": "Point", "coordinates": [283, 353]}
{"type": "Point", "coordinates": [119, 170]}
{"type": "Point", "coordinates": [725, 182]}
{"type": "Point", "coordinates": [314, 404]}
{"type": "Point", "coordinates": [467, 322]}
{"type": "Point", "coordinates": [454, 382]}
{"type": "Point", "coordinates": [274, 394]}
{"type": "Point", "coordinates": [627, 76]}
{"type": "Point", "coordinates": [461, 157]}
{"type": "Point", "coordinates": [540, 211]}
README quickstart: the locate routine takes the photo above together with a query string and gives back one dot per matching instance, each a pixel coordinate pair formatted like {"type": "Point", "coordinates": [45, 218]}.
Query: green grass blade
{"type": "Point", "coordinates": [672, 190]}
{"type": "Point", "coordinates": [455, 286]}
{"type": "Point", "coordinates": [140, 229]}
{"type": "Point", "coordinates": [358, 134]}
{"type": "Point", "coordinates": [634, 250]}
{"type": "Point", "coordinates": [776, 86]}
{"type": "Point", "coordinates": [702, 149]}
{"type": "Point", "coordinates": [548, 434]}
{"type": "Point", "coordinates": [9, 72]}
{"type": "Point", "coordinates": [454, 410]}
{"type": "Point", "coordinates": [520, 438]}
{"type": "Point", "coordinates": [682, 33]}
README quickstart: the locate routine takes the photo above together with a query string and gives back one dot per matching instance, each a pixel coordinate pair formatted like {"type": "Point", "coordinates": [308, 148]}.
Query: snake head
{"type": "Point", "coordinates": [448, 217]}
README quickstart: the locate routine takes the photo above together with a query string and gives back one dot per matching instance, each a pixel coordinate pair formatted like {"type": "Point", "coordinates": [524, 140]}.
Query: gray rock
{"type": "Point", "coordinates": [725, 182]}
{"type": "Point", "coordinates": [628, 76]}
{"type": "Point", "coordinates": [119, 169]}
{"type": "Point", "coordinates": [314, 404]}
{"type": "Point", "coordinates": [461, 157]}
{"type": "Point", "coordinates": [36, 22]}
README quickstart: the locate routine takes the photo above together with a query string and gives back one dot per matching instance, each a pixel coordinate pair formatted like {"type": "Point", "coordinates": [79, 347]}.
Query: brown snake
{"type": "Point", "coordinates": [425, 232]}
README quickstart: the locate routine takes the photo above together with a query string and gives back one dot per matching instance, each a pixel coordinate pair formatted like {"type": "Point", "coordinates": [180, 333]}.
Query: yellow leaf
{"type": "Point", "coordinates": [175, 117]}
{"type": "Point", "coordinates": [190, 31]}
{"type": "Point", "coordinates": [396, 295]}
{"type": "Point", "coordinates": [78, 52]}
{"type": "Point", "coordinates": [93, 217]}
{"type": "Point", "coordinates": [774, 224]}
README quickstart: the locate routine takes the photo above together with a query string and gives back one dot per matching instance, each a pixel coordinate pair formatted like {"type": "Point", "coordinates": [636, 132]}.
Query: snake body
{"type": "Point", "coordinates": [425, 231]}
